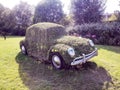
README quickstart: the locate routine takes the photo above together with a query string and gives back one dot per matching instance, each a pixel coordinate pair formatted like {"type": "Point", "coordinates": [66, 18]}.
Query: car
{"type": "Point", "coordinates": [50, 42]}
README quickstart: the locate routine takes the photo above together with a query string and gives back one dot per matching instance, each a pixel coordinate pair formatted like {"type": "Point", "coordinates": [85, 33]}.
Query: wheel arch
{"type": "Point", "coordinates": [62, 50]}
{"type": "Point", "coordinates": [22, 42]}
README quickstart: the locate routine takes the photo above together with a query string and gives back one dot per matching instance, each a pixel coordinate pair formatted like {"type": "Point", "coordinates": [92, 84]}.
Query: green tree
{"type": "Point", "coordinates": [23, 13]}
{"type": "Point", "coordinates": [1, 19]}
{"type": "Point", "coordinates": [86, 11]}
{"type": "Point", "coordinates": [118, 12]}
{"type": "Point", "coordinates": [7, 21]}
{"type": "Point", "coordinates": [48, 11]}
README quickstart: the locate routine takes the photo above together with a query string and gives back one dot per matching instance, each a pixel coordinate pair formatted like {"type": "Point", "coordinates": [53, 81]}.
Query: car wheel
{"type": "Point", "coordinates": [57, 61]}
{"type": "Point", "coordinates": [23, 50]}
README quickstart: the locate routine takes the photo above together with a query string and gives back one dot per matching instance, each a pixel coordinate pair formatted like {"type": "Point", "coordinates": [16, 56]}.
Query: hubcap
{"type": "Point", "coordinates": [56, 61]}
{"type": "Point", "coordinates": [23, 49]}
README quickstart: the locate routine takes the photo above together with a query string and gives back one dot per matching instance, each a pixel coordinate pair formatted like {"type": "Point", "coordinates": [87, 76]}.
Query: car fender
{"type": "Point", "coordinates": [22, 42]}
{"type": "Point", "coordinates": [62, 49]}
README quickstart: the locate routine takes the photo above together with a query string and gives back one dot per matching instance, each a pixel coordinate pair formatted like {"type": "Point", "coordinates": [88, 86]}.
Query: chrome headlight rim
{"type": "Point", "coordinates": [71, 52]}
{"type": "Point", "coordinates": [91, 43]}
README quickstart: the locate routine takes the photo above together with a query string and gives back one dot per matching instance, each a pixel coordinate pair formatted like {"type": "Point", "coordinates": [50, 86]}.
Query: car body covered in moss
{"type": "Point", "coordinates": [50, 42]}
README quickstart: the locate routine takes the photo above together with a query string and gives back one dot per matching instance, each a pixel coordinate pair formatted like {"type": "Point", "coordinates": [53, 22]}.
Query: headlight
{"type": "Point", "coordinates": [71, 52]}
{"type": "Point", "coordinates": [91, 43]}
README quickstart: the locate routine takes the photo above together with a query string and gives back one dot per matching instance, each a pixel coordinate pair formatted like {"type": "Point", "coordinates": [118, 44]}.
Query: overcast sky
{"type": "Point", "coordinates": [111, 5]}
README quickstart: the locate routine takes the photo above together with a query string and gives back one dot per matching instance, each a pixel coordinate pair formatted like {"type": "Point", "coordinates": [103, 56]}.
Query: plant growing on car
{"type": "Point", "coordinates": [49, 42]}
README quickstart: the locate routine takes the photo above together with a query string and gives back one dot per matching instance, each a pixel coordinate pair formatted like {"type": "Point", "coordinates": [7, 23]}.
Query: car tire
{"type": "Point", "coordinates": [23, 49]}
{"type": "Point", "coordinates": [57, 61]}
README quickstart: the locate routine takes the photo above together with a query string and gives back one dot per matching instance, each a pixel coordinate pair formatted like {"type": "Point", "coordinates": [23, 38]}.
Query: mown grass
{"type": "Point", "coordinates": [9, 74]}
{"type": "Point", "coordinates": [109, 58]}
{"type": "Point", "coordinates": [19, 72]}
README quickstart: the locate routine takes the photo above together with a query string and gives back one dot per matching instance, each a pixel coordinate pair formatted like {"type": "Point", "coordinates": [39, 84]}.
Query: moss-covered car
{"type": "Point", "coordinates": [49, 41]}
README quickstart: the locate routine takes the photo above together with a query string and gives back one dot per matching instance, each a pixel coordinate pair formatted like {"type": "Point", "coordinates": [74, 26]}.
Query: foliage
{"type": "Point", "coordinates": [117, 14]}
{"type": "Point", "coordinates": [15, 22]}
{"type": "Point", "coordinates": [7, 20]}
{"type": "Point", "coordinates": [101, 33]}
{"type": "Point", "coordinates": [86, 11]}
{"type": "Point", "coordinates": [80, 45]}
{"type": "Point", "coordinates": [48, 11]}
{"type": "Point", "coordinates": [66, 20]}
{"type": "Point", "coordinates": [23, 15]}
{"type": "Point", "coordinates": [40, 37]}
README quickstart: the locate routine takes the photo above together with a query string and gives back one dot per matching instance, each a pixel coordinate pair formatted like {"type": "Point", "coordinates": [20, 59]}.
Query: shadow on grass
{"type": "Point", "coordinates": [39, 76]}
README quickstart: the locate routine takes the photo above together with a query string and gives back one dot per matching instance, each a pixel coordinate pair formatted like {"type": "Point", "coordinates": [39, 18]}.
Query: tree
{"type": "Point", "coordinates": [48, 11]}
{"type": "Point", "coordinates": [1, 20]}
{"type": "Point", "coordinates": [6, 21]}
{"type": "Point", "coordinates": [118, 13]}
{"type": "Point", "coordinates": [86, 11]}
{"type": "Point", "coordinates": [23, 13]}
{"type": "Point", "coordinates": [115, 16]}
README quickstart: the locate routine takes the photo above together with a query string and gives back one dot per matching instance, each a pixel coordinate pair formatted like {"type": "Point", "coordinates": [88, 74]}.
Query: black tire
{"type": "Point", "coordinates": [57, 61]}
{"type": "Point", "coordinates": [23, 49]}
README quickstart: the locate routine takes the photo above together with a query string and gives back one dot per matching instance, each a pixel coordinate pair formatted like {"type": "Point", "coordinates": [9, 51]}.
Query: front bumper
{"type": "Point", "coordinates": [84, 58]}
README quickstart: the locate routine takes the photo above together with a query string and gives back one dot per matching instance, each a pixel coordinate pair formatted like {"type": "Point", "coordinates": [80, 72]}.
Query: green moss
{"type": "Point", "coordinates": [80, 45]}
{"type": "Point", "coordinates": [41, 36]}
{"type": "Point", "coordinates": [45, 25]}
{"type": "Point", "coordinates": [73, 40]}
{"type": "Point", "coordinates": [62, 49]}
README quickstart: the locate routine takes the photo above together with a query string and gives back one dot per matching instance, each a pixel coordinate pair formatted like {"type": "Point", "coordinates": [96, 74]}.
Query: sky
{"type": "Point", "coordinates": [111, 5]}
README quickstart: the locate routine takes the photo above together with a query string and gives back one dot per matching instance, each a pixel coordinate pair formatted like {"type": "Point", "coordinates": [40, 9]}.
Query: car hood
{"type": "Point", "coordinates": [80, 45]}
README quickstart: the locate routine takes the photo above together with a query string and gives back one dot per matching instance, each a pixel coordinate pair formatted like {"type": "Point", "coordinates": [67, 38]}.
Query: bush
{"type": "Point", "coordinates": [107, 33]}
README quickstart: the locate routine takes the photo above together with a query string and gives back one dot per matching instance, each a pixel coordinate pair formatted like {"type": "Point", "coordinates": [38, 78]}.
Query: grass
{"type": "Point", "coordinates": [109, 58]}
{"type": "Point", "coordinates": [19, 72]}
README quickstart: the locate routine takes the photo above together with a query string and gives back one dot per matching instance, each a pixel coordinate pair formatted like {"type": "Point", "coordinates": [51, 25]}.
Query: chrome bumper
{"type": "Point", "coordinates": [84, 58]}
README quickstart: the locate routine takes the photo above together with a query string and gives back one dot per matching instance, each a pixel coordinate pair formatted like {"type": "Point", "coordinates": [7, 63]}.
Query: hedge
{"type": "Point", "coordinates": [107, 33]}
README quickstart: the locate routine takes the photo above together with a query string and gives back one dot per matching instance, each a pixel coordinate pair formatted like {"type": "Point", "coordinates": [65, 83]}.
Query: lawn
{"type": "Point", "coordinates": [19, 72]}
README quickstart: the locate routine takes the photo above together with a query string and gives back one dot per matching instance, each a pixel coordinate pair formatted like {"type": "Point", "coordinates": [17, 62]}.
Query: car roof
{"type": "Point", "coordinates": [45, 25]}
